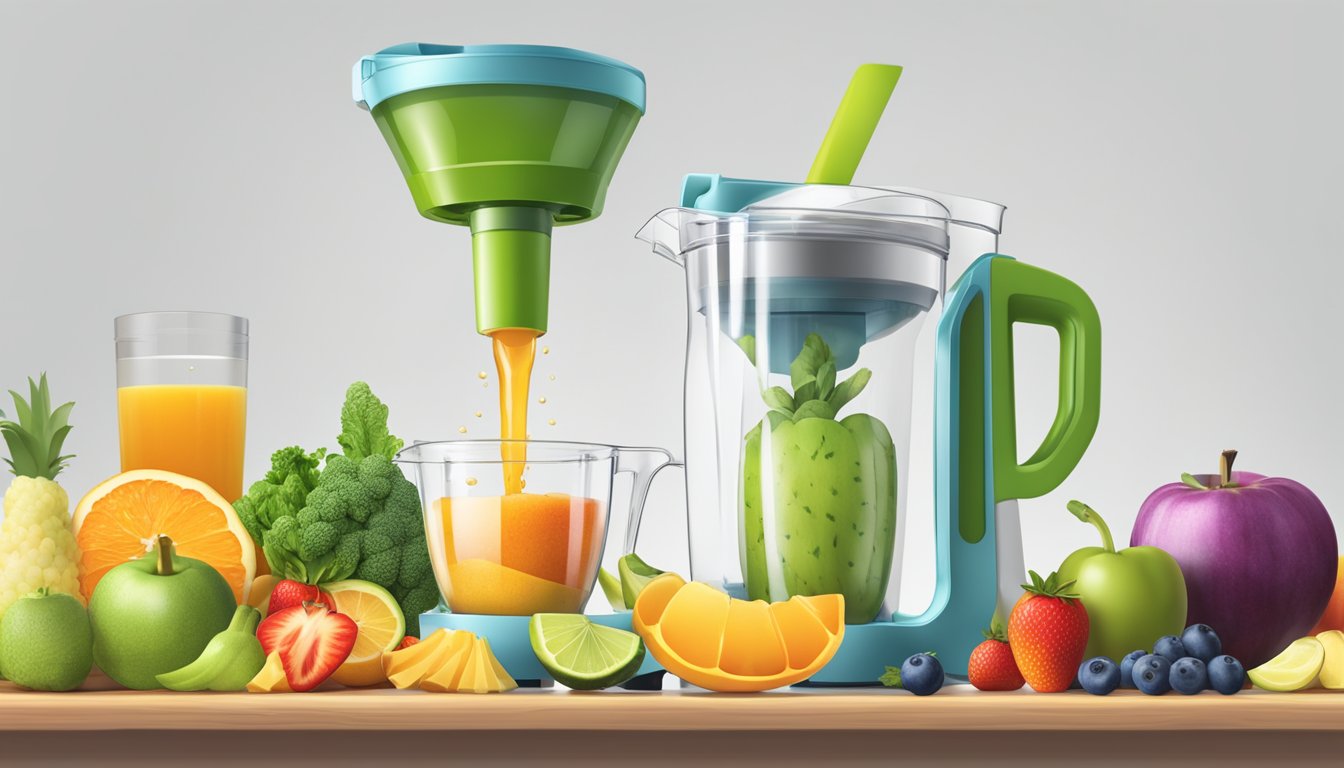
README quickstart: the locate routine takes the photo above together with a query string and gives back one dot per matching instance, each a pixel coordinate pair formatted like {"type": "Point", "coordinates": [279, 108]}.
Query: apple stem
{"type": "Point", "coordinates": [164, 546]}
{"type": "Point", "coordinates": [1225, 467]}
{"type": "Point", "coordinates": [1089, 515]}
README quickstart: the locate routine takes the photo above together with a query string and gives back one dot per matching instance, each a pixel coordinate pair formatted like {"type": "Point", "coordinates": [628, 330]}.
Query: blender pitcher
{"type": "Point", "coordinates": [805, 315]}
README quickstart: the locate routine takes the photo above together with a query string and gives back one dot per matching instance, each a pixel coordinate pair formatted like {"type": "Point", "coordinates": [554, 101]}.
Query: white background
{"type": "Point", "coordinates": [1181, 161]}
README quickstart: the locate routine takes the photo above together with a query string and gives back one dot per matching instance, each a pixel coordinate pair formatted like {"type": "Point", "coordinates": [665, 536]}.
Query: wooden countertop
{"type": "Point", "coordinates": [955, 708]}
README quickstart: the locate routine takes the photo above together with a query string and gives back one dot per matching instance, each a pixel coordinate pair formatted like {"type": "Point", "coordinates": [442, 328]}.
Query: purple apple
{"type": "Point", "coordinates": [1258, 554]}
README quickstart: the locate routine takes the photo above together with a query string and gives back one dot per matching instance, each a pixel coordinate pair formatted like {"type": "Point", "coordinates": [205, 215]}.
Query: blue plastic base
{"type": "Point", "coordinates": [511, 643]}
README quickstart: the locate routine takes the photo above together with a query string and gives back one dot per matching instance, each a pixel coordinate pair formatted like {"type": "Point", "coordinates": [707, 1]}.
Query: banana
{"type": "Point", "coordinates": [231, 658]}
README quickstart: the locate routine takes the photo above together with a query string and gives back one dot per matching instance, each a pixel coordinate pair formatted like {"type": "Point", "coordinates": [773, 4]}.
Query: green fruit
{"type": "Point", "coordinates": [635, 575]}
{"type": "Point", "coordinates": [1293, 669]}
{"type": "Point", "coordinates": [1132, 597]}
{"type": "Point", "coordinates": [230, 660]}
{"type": "Point", "coordinates": [583, 655]}
{"type": "Point", "coordinates": [611, 588]}
{"type": "Point", "coordinates": [46, 642]}
{"type": "Point", "coordinates": [156, 614]}
{"type": "Point", "coordinates": [834, 510]}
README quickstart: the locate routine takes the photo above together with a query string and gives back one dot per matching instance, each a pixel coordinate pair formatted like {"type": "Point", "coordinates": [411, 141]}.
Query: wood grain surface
{"type": "Point", "coordinates": [956, 708]}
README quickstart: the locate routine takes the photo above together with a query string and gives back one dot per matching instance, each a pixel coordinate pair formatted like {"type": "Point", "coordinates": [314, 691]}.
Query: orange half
{"type": "Point", "coordinates": [119, 520]}
{"type": "Point", "coordinates": [724, 644]}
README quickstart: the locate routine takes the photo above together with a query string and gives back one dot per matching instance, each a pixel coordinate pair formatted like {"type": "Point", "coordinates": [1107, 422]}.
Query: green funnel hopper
{"type": "Point", "coordinates": [508, 140]}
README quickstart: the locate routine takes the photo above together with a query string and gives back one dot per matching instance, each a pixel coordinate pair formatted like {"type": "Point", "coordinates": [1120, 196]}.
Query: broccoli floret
{"type": "Point", "coordinates": [358, 517]}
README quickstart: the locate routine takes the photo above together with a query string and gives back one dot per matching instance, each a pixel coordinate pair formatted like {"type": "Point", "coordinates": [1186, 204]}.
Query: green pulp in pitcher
{"type": "Point", "coordinates": [831, 494]}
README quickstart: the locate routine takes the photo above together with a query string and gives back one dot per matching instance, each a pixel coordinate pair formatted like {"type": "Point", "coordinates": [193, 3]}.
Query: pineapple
{"type": "Point", "coordinates": [37, 547]}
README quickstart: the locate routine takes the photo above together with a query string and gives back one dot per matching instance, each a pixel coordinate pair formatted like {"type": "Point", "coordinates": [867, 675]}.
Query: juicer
{"type": "Point", "coordinates": [806, 306]}
{"type": "Point", "coordinates": [509, 141]}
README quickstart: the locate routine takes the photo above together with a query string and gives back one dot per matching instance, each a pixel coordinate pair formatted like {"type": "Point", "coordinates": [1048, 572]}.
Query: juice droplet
{"type": "Point", "coordinates": [471, 481]}
{"type": "Point", "coordinates": [551, 422]}
{"type": "Point", "coordinates": [551, 377]}
{"type": "Point", "coordinates": [541, 400]}
{"type": "Point", "coordinates": [478, 414]}
{"type": "Point", "coordinates": [463, 430]}
{"type": "Point", "coordinates": [481, 375]}
{"type": "Point", "coordinates": [545, 350]}
{"type": "Point", "coordinates": [485, 384]}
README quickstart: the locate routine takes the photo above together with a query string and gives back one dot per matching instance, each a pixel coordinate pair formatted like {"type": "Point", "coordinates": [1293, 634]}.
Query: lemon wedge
{"type": "Point", "coordinates": [1297, 667]}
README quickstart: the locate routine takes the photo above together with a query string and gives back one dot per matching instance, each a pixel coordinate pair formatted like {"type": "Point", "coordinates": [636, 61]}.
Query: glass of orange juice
{"type": "Point", "coordinates": [503, 553]}
{"type": "Point", "coordinates": [182, 395]}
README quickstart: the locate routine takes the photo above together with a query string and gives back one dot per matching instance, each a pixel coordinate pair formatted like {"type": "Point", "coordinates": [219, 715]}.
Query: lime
{"type": "Point", "coordinates": [1293, 669]}
{"type": "Point", "coordinates": [611, 587]}
{"type": "Point", "coordinates": [381, 627]}
{"type": "Point", "coordinates": [583, 655]}
{"type": "Point", "coordinates": [635, 574]}
{"type": "Point", "coordinates": [47, 642]}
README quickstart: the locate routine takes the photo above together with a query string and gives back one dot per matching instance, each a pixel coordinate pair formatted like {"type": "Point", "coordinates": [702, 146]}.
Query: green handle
{"type": "Point", "coordinates": [1021, 293]}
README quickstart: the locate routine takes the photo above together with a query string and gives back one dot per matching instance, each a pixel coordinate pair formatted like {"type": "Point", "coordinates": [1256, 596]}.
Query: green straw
{"type": "Point", "coordinates": [853, 125]}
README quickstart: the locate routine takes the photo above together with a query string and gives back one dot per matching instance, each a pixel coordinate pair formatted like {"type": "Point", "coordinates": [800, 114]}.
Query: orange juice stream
{"type": "Point", "coordinates": [515, 351]}
{"type": "Point", "coordinates": [193, 430]}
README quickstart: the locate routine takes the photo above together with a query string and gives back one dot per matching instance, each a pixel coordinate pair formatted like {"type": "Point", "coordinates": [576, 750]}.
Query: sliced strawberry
{"type": "Point", "coordinates": [290, 593]}
{"type": "Point", "coordinates": [312, 641]}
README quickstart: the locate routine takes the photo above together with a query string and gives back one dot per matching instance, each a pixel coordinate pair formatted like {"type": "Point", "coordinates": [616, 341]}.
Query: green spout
{"type": "Point", "coordinates": [511, 262]}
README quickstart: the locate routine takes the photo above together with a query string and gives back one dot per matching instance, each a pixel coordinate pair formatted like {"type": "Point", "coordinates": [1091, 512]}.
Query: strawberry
{"type": "Point", "coordinates": [407, 642]}
{"type": "Point", "coordinates": [312, 641]}
{"type": "Point", "coordinates": [1047, 633]}
{"type": "Point", "coordinates": [289, 593]}
{"type": "Point", "coordinates": [992, 667]}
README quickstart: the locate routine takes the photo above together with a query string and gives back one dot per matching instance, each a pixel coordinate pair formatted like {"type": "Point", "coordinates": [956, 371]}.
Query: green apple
{"type": "Point", "coordinates": [156, 614]}
{"type": "Point", "coordinates": [1132, 597]}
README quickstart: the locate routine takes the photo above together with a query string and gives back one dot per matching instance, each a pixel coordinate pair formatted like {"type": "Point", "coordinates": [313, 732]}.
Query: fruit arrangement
{"type": "Point", "coordinates": [153, 579]}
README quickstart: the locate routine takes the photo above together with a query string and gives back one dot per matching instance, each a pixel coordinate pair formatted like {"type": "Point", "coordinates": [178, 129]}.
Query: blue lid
{"type": "Point", "coordinates": [414, 66]}
{"type": "Point", "coordinates": [719, 194]}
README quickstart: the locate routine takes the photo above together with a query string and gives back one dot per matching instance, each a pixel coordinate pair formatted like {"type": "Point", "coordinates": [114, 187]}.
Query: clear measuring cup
{"type": "Point", "coordinates": [515, 554]}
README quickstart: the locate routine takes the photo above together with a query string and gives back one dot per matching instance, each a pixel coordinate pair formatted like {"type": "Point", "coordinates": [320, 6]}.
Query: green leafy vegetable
{"type": "Point", "coordinates": [891, 678]}
{"type": "Point", "coordinates": [364, 425]}
{"type": "Point", "coordinates": [357, 516]}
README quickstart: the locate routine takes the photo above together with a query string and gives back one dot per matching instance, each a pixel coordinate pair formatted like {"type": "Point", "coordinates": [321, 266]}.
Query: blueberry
{"type": "Point", "coordinates": [1226, 675]}
{"type": "Point", "coordinates": [1152, 675]}
{"type": "Point", "coordinates": [1099, 676]}
{"type": "Point", "coordinates": [1201, 642]}
{"type": "Point", "coordinates": [1170, 648]}
{"type": "Point", "coordinates": [1189, 676]}
{"type": "Point", "coordinates": [922, 674]}
{"type": "Point", "coordinates": [1127, 668]}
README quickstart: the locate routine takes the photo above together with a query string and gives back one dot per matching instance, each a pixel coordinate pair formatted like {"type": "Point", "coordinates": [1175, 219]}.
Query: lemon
{"type": "Point", "coordinates": [1332, 668]}
{"type": "Point", "coordinates": [381, 627]}
{"type": "Point", "coordinates": [1293, 669]}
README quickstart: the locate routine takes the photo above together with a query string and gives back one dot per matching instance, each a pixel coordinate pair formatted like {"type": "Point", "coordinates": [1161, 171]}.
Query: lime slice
{"type": "Point", "coordinates": [1293, 669]}
{"type": "Point", "coordinates": [583, 655]}
{"type": "Point", "coordinates": [635, 574]}
{"type": "Point", "coordinates": [611, 587]}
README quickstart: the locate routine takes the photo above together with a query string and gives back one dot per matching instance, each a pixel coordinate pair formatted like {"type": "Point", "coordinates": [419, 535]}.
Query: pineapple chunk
{"type": "Point", "coordinates": [271, 678]}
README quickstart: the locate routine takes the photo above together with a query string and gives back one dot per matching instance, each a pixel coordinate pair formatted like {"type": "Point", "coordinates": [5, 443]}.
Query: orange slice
{"type": "Point", "coordinates": [121, 517]}
{"type": "Point", "coordinates": [724, 644]}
